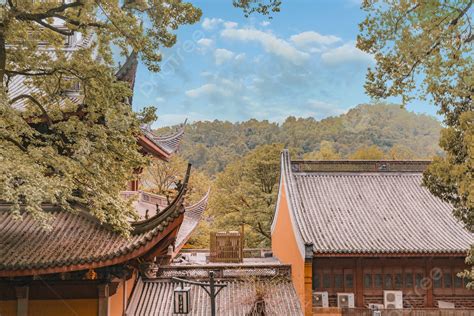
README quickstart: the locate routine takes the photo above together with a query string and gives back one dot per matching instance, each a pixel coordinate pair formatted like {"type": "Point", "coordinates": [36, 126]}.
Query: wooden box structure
{"type": "Point", "coordinates": [226, 247]}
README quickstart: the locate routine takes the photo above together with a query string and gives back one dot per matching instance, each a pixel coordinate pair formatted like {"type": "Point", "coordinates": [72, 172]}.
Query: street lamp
{"type": "Point", "coordinates": [182, 300]}
{"type": "Point", "coordinates": [182, 297]}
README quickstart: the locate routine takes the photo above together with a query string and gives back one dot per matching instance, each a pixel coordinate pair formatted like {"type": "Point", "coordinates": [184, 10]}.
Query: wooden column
{"type": "Point", "coordinates": [308, 279]}
{"type": "Point", "coordinates": [359, 283]}
{"type": "Point", "coordinates": [429, 289]}
{"type": "Point", "coordinates": [22, 293]}
{"type": "Point", "coordinates": [103, 309]}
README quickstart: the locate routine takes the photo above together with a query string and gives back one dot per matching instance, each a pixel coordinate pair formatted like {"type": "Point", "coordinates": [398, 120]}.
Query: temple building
{"type": "Point", "coordinates": [367, 234]}
{"type": "Point", "coordinates": [83, 267]}
{"type": "Point", "coordinates": [253, 287]}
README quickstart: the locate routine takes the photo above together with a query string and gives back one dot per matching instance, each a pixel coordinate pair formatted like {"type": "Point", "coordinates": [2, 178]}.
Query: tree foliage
{"type": "Point", "coordinates": [264, 7]}
{"type": "Point", "coordinates": [424, 49]}
{"type": "Point", "coordinates": [245, 193]}
{"type": "Point", "coordinates": [164, 177]}
{"type": "Point", "coordinates": [367, 153]}
{"type": "Point", "coordinates": [326, 152]}
{"type": "Point", "coordinates": [210, 146]}
{"type": "Point", "coordinates": [54, 150]}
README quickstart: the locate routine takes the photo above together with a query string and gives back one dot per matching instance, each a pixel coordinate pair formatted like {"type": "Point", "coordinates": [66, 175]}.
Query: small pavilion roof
{"type": "Point", "coordinates": [164, 146]}
{"type": "Point", "coordinates": [369, 207]}
{"type": "Point", "coordinates": [78, 241]}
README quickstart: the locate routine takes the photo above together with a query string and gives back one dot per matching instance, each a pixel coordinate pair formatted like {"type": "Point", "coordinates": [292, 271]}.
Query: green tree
{"type": "Point", "coordinates": [211, 146]}
{"type": "Point", "coordinates": [400, 152]}
{"type": "Point", "coordinates": [161, 177]}
{"type": "Point", "coordinates": [425, 49]}
{"type": "Point", "coordinates": [367, 153]}
{"type": "Point", "coordinates": [245, 193]}
{"type": "Point", "coordinates": [57, 151]}
{"type": "Point", "coordinates": [326, 152]}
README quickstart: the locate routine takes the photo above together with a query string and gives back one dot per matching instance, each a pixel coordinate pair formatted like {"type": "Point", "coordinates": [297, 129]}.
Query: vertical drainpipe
{"type": "Point", "coordinates": [308, 279]}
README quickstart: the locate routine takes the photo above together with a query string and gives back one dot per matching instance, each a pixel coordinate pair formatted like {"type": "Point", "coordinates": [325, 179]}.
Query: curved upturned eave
{"type": "Point", "coordinates": [146, 235]}
{"type": "Point", "coordinates": [192, 217]}
{"type": "Point", "coordinates": [169, 144]}
{"type": "Point", "coordinates": [142, 226]}
{"type": "Point", "coordinates": [102, 262]}
{"type": "Point", "coordinates": [151, 148]}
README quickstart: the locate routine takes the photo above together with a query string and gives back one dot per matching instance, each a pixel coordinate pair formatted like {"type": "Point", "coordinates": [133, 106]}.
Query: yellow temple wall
{"type": "Point", "coordinates": [116, 301]}
{"type": "Point", "coordinates": [83, 307]}
{"type": "Point", "coordinates": [8, 308]}
{"type": "Point", "coordinates": [285, 247]}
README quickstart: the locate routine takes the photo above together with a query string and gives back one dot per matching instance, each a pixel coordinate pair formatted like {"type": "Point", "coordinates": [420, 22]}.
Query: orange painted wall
{"type": "Point", "coordinates": [116, 301]}
{"type": "Point", "coordinates": [8, 308]}
{"type": "Point", "coordinates": [81, 307]}
{"type": "Point", "coordinates": [285, 247]}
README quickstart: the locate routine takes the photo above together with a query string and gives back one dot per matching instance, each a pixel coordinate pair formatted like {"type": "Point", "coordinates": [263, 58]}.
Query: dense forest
{"type": "Point", "coordinates": [240, 161]}
{"type": "Point", "coordinates": [211, 146]}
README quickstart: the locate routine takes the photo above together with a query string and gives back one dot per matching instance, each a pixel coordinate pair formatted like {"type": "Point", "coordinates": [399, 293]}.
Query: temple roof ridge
{"type": "Point", "coordinates": [342, 208]}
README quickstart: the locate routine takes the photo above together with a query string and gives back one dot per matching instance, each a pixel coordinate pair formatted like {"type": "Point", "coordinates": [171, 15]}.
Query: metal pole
{"type": "Point", "coordinates": [212, 293]}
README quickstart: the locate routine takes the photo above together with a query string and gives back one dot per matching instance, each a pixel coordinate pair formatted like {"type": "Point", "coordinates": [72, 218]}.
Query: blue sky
{"type": "Point", "coordinates": [303, 62]}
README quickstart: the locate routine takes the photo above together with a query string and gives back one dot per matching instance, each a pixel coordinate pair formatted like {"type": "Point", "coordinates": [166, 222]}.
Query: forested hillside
{"type": "Point", "coordinates": [210, 146]}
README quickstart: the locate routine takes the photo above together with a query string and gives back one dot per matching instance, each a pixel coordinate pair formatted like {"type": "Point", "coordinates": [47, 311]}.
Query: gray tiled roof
{"type": "Point", "coordinates": [155, 297]}
{"type": "Point", "coordinates": [378, 207]}
{"type": "Point", "coordinates": [76, 239]}
{"type": "Point", "coordinates": [169, 143]}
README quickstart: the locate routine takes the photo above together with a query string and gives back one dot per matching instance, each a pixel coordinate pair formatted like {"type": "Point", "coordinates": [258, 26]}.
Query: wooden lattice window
{"type": "Point", "coordinates": [226, 247]}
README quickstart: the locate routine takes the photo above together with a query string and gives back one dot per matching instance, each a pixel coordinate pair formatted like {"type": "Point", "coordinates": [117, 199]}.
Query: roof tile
{"type": "Point", "coordinates": [360, 207]}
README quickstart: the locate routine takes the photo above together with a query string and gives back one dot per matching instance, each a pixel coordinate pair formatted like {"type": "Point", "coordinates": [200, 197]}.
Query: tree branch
{"type": "Point", "coordinates": [261, 231]}
{"type": "Point", "coordinates": [48, 14]}
{"type": "Point", "coordinates": [77, 23]}
{"type": "Point", "coordinates": [53, 28]}
{"type": "Point", "coordinates": [32, 99]}
{"type": "Point", "coordinates": [17, 144]}
{"type": "Point", "coordinates": [27, 72]}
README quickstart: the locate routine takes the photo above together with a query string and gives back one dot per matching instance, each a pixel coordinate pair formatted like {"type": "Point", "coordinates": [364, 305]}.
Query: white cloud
{"type": "Point", "coordinates": [208, 89]}
{"type": "Point", "coordinates": [222, 55]}
{"type": "Point", "coordinates": [346, 53]}
{"type": "Point", "coordinates": [209, 24]}
{"type": "Point", "coordinates": [270, 43]}
{"type": "Point", "coordinates": [323, 109]}
{"type": "Point", "coordinates": [205, 42]}
{"type": "Point", "coordinates": [240, 57]}
{"type": "Point", "coordinates": [230, 25]}
{"type": "Point", "coordinates": [311, 37]}
{"type": "Point", "coordinates": [265, 23]}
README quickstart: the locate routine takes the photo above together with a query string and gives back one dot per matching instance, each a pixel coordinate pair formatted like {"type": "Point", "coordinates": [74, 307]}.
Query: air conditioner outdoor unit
{"type": "Point", "coordinates": [345, 300]}
{"type": "Point", "coordinates": [374, 306]}
{"type": "Point", "coordinates": [320, 299]}
{"type": "Point", "coordinates": [393, 299]}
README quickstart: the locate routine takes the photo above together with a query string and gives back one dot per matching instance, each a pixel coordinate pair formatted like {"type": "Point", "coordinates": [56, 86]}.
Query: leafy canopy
{"type": "Point", "coordinates": [211, 146]}
{"type": "Point", "coordinates": [245, 193]}
{"type": "Point", "coordinates": [59, 151]}
{"type": "Point", "coordinates": [424, 49]}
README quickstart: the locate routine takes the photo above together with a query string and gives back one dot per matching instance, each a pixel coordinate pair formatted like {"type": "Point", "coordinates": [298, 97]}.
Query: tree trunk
{"type": "Point", "coordinates": [3, 58]}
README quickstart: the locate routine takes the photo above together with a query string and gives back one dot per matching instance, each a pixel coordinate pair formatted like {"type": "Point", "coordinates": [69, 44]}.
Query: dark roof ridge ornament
{"type": "Point", "coordinates": [360, 166]}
